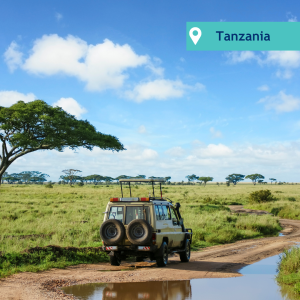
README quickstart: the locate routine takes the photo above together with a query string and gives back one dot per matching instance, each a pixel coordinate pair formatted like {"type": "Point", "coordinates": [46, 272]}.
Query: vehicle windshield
{"type": "Point", "coordinates": [136, 212]}
{"type": "Point", "coordinates": [116, 212]}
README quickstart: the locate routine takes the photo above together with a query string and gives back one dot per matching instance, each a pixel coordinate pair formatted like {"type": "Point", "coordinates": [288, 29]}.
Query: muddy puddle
{"type": "Point", "coordinates": [258, 282]}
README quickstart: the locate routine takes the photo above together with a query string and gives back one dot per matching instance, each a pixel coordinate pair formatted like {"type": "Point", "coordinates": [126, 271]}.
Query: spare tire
{"type": "Point", "coordinates": [112, 232]}
{"type": "Point", "coordinates": [139, 232]}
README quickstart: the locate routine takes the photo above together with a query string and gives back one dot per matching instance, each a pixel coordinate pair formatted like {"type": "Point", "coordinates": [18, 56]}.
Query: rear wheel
{"type": "Point", "coordinates": [115, 260]}
{"type": "Point", "coordinates": [112, 232]}
{"type": "Point", "coordinates": [185, 256]}
{"type": "Point", "coordinates": [162, 257]}
{"type": "Point", "coordinates": [139, 232]}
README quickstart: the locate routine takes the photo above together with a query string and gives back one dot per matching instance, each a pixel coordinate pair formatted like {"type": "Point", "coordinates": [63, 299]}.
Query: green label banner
{"type": "Point", "coordinates": [242, 36]}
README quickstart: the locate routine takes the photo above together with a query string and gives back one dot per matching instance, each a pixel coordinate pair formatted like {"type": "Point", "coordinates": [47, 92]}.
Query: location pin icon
{"type": "Point", "coordinates": [195, 34]}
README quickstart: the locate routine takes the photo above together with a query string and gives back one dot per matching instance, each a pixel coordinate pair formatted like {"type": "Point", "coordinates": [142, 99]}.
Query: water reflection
{"type": "Point", "coordinates": [153, 290]}
{"type": "Point", "coordinates": [257, 283]}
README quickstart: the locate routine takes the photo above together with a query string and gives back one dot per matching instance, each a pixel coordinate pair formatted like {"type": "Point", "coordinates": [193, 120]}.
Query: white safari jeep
{"type": "Point", "coordinates": [144, 227]}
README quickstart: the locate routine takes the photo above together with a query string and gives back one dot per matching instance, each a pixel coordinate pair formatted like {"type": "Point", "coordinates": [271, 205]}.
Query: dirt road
{"type": "Point", "coordinates": [213, 262]}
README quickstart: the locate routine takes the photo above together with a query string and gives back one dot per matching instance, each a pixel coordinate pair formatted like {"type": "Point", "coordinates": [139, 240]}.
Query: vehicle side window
{"type": "Point", "coordinates": [174, 217]}
{"type": "Point", "coordinates": [158, 212]}
{"type": "Point", "coordinates": [116, 212]}
{"type": "Point", "coordinates": [166, 212]}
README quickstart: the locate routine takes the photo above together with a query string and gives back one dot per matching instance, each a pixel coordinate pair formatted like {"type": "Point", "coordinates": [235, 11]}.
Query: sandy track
{"type": "Point", "coordinates": [213, 262]}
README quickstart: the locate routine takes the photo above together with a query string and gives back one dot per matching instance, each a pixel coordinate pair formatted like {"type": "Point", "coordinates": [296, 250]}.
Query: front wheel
{"type": "Point", "coordinates": [114, 260]}
{"type": "Point", "coordinates": [162, 257]}
{"type": "Point", "coordinates": [185, 256]}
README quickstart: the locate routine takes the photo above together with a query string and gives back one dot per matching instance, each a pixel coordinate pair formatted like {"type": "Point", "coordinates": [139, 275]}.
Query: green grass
{"type": "Point", "coordinates": [36, 216]}
{"type": "Point", "coordinates": [289, 269]}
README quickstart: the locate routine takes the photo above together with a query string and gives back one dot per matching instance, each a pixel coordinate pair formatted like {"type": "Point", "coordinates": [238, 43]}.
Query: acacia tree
{"type": "Point", "coordinates": [272, 179]}
{"type": "Point", "coordinates": [205, 179]}
{"type": "Point", "coordinates": [71, 174]}
{"type": "Point", "coordinates": [235, 178]}
{"type": "Point", "coordinates": [32, 126]}
{"type": "Point", "coordinates": [192, 177]}
{"type": "Point", "coordinates": [255, 177]}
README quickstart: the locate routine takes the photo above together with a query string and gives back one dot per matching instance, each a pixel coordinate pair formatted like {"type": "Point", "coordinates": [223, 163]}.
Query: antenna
{"type": "Point", "coordinates": [121, 189]}
{"type": "Point", "coordinates": [160, 190]}
{"type": "Point", "coordinates": [153, 189]}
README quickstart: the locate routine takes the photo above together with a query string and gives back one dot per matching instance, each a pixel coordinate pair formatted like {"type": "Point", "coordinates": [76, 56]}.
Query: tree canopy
{"type": "Point", "coordinates": [235, 178]}
{"type": "Point", "coordinates": [25, 177]}
{"type": "Point", "coordinates": [205, 179]}
{"type": "Point", "coordinates": [32, 126]}
{"type": "Point", "coordinates": [192, 177]}
{"type": "Point", "coordinates": [255, 177]}
{"type": "Point", "coordinates": [272, 179]}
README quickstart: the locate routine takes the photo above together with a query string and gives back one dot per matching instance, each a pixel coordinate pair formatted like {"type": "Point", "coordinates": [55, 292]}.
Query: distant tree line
{"type": "Point", "coordinates": [26, 177]}
{"type": "Point", "coordinates": [232, 178]}
{"type": "Point", "coordinates": [71, 177]}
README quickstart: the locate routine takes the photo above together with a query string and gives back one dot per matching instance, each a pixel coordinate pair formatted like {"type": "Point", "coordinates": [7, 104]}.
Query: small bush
{"type": "Point", "coordinates": [261, 196]}
{"type": "Point", "coordinates": [276, 210]}
{"type": "Point", "coordinates": [80, 184]}
{"type": "Point", "coordinates": [207, 199]}
{"type": "Point", "coordinates": [292, 199]}
{"type": "Point", "coordinates": [49, 185]}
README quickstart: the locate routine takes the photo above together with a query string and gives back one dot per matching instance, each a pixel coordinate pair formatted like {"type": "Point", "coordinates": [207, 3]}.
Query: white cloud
{"type": "Point", "coordinates": [263, 88]}
{"type": "Point", "coordinates": [154, 67]}
{"type": "Point", "coordinates": [284, 74]}
{"type": "Point", "coordinates": [291, 17]}
{"type": "Point", "coordinates": [100, 66]}
{"type": "Point", "coordinates": [175, 152]}
{"type": "Point", "coordinates": [286, 60]}
{"type": "Point", "coordinates": [160, 89]}
{"type": "Point", "coordinates": [280, 160]}
{"type": "Point", "coordinates": [13, 57]}
{"type": "Point", "coordinates": [58, 16]}
{"type": "Point", "coordinates": [235, 57]}
{"type": "Point", "coordinates": [182, 59]}
{"type": "Point", "coordinates": [8, 98]}
{"type": "Point", "coordinates": [281, 102]}
{"type": "Point", "coordinates": [142, 129]}
{"type": "Point", "coordinates": [211, 151]}
{"type": "Point", "coordinates": [215, 133]}
{"type": "Point", "coordinates": [71, 106]}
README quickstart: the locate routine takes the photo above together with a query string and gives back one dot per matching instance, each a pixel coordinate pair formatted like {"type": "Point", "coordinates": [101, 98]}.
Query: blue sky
{"type": "Point", "coordinates": [124, 67]}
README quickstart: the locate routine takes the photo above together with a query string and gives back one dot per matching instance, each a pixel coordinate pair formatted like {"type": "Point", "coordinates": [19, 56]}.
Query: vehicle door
{"type": "Point", "coordinates": [177, 229]}
{"type": "Point", "coordinates": [164, 222]}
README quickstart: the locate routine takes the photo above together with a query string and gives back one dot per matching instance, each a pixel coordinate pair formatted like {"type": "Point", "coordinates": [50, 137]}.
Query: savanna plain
{"type": "Point", "coordinates": [43, 228]}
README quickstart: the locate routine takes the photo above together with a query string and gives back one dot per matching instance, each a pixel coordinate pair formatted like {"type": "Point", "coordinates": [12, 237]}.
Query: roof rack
{"type": "Point", "coordinates": [160, 180]}
{"type": "Point", "coordinates": [142, 180]}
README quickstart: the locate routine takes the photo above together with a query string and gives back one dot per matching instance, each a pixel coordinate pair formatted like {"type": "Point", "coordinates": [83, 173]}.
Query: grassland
{"type": "Point", "coordinates": [36, 216]}
{"type": "Point", "coordinates": [289, 269]}
{"type": "Point", "coordinates": [287, 205]}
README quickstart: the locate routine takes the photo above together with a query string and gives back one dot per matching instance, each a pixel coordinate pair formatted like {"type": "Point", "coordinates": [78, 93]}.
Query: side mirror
{"type": "Point", "coordinates": [181, 221]}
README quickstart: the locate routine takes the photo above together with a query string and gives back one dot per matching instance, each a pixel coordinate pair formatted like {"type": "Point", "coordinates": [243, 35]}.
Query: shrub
{"type": "Point", "coordinates": [80, 184]}
{"type": "Point", "coordinates": [207, 199]}
{"type": "Point", "coordinates": [261, 197]}
{"type": "Point", "coordinates": [49, 185]}
{"type": "Point", "coordinates": [293, 199]}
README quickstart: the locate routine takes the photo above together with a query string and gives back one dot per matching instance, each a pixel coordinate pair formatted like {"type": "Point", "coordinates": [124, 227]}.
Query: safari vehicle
{"type": "Point", "coordinates": [146, 227]}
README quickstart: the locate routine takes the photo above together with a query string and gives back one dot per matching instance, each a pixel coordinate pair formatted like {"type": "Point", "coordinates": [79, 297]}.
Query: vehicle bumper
{"type": "Point", "coordinates": [132, 248]}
